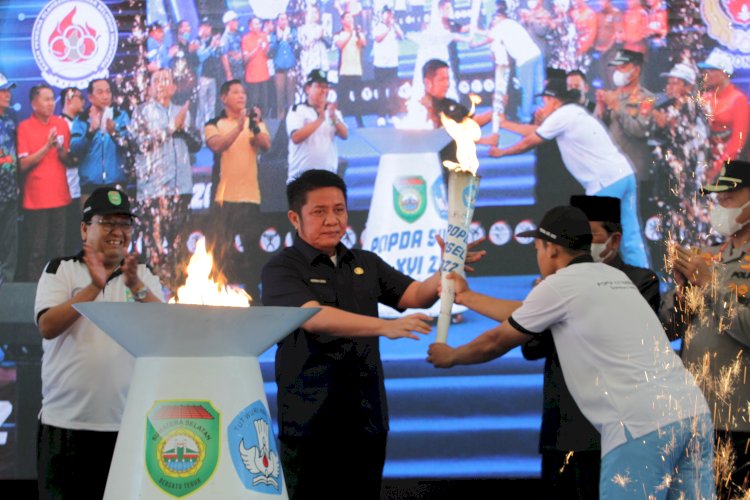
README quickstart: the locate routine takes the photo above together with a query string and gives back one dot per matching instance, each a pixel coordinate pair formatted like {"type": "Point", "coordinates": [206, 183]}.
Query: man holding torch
{"type": "Point", "coordinates": [654, 423]}
{"type": "Point", "coordinates": [331, 394]}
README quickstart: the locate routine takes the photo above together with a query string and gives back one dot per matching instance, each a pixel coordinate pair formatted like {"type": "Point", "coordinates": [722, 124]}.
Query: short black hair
{"type": "Point", "coordinates": [432, 66]}
{"type": "Point", "coordinates": [501, 7]}
{"type": "Point", "coordinates": [577, 72]}
{"type": "Point", "coordinates": [90, 88]}
{"type": "Point", "coordinates": [310, 180]}
{"type": "Point", "coordinates": [612, 227]}
{"type": "Point", "coordinates": [37, 89]}
{"type": "Point", "coordinates": [224, 90]}
{"type": "Point", "coordinates": [66, 94]}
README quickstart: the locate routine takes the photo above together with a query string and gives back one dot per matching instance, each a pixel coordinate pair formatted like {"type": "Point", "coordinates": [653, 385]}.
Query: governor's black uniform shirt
{"type": "Point", "coordinates": [330, 384]}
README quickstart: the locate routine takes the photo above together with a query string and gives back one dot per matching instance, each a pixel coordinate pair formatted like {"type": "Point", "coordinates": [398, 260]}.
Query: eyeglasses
{"type": "Point", "coordinates": [110, 225]}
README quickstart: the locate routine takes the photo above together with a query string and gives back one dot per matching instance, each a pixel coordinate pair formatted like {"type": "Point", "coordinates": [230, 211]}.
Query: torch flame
{"type": "Point", "coordinates": [199, 288]}
{"type": "Point", "coordinates": [465, 133]}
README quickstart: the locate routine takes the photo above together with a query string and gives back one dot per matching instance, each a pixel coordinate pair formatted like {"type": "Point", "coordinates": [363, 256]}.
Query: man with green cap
{"type": "Point", "coordinates": [86, 374]}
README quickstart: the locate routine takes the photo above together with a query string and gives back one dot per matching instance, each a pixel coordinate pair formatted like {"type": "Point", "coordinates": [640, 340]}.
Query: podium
{"type": "Point", "coordinates": [196, 421]}
{"type": "Point", "coordinates": [409, 204]}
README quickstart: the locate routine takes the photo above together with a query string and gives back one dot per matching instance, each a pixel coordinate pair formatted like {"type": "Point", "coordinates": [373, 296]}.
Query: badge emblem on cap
{"type": "Point", "coordinates": [114, 198]}
{"type": "Point", "coordinates": [359, 271]}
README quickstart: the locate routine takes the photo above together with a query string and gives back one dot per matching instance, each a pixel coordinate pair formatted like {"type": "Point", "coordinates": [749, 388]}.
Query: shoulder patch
{"type": "Point", "coordinates": [54, 264]}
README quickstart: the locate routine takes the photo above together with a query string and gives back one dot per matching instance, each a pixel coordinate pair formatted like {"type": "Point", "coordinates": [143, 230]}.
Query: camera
{"type": "Point", "coordinates": [252, 122]}
{"type": "Point", "coordinates": [663, 102]}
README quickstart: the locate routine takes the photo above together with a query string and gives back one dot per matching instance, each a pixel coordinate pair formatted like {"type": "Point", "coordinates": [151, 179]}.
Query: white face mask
{"type": "Point", "coordinates": [724, 220]}
{"type": "Point", "coordinates": [598, 248]}
{"type": "Point", "coordinates": [621, 78]}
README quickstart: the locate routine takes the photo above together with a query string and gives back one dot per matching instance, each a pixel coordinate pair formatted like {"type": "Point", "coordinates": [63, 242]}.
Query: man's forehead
{"type": "Point", "coordinates": [326, 196]}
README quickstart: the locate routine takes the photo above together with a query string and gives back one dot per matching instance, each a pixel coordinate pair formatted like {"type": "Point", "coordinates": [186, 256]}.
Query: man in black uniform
{"type": "Point", "coordinates": [569, 444]}
{"type": "Point", "coordinates": [333, 418]}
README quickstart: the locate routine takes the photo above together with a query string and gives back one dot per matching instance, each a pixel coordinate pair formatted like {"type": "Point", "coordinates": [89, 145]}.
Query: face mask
{"type": "Point", "coordinates": [598, 248]}
{"type": "Point", "coordinates": [724, 220]}
{"type": "Point", "coordinates": [620, 78]}
{"type": "Point", "coordinates": [186, 36]}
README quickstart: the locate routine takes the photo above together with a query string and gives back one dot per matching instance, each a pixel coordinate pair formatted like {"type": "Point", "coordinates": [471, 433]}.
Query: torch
{"type": "Point", "coordinates": [463, 184]}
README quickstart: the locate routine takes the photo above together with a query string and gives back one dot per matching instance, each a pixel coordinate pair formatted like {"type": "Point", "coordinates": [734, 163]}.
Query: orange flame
{"type": "Point", "coordinates": [466, 133]}
{"type": "Point", "coordinates": [200, 289]}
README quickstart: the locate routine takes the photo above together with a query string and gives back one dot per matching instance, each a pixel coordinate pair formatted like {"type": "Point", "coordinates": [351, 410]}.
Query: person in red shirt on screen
{"type": "Point", "coordinates": [43, 146]}
{"type": "Point", "coordinates": [727, 110]}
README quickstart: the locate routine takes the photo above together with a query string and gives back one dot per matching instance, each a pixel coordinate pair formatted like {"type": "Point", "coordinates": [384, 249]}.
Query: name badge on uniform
{"type": "Point", "coordinates": [320, 281]}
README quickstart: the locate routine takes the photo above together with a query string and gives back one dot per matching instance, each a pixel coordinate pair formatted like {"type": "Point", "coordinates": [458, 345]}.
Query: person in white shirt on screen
{"type": "Point", "coordinates": [590, 156]}
{"type": "Point", "coordinates": [313, 126]}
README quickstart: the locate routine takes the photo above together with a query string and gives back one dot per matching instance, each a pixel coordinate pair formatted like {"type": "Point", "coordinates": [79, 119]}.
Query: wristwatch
{"type": "Point", "coordinates": [141, 294]}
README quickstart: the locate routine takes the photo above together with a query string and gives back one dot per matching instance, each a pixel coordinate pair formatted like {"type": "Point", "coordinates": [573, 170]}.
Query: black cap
{"type": "Point", "coordinates": [317, 76]}
{"type": "Point", "coordinates": [598, 208]}
{"type": "Point", "coordinates": [556, 87]}
{"type": "Point", "coordinates": [735, 174]}
{"type": "Point", "coordinates": [625, 56]}
{"type": "Point", "coordinates": [565, 226]}
{"type": "Point", "coordinates": [106, 200]}
{"type": "Point", "coordinates": [554, 73]}
{"type": "Point", "coordinates": [156, 25]}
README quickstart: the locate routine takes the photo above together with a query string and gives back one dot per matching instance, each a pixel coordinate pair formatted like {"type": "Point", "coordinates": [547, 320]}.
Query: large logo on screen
{"type": "Point", "coordinates": [728, 22]}
{"type": "Point", "coordinates": [74, 41]}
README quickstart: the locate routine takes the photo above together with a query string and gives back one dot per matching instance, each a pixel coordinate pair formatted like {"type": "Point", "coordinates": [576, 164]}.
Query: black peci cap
{"type": "Point", "coordinates": [565, 226]}
{"type": "Point", "coordinates": [625, 56]}
{"type": "Point", "coordinates": [598, 208]}
{"type": "Point", "coordinates": [106, 200]}
{"type": "Point", "coordinates": [735, 174]}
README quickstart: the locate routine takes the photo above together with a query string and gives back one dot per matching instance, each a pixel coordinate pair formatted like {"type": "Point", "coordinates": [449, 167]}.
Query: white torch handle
{"type": "Point", "coordinates": [447, 296]}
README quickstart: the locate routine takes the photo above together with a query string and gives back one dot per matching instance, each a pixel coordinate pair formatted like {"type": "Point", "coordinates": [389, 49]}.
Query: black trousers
{"type": "Point", "coordinates": [45, 230]}
{"type": "Point", "coordinates": [73, 464]}
{"type": "Point", "coordinates": [243, 219]}
{"type": "Point", "coordinates": [739, 482]}
{"type": "Point", "coordinates": [578, 478]}
{"type": "Point", "coordinates": [340, 466]}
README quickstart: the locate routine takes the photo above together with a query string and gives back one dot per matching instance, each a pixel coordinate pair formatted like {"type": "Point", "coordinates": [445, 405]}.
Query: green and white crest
{"type": "Point", "coordinates": [182, 445]}
{"type": "Point", "coordinates": [410, 197]}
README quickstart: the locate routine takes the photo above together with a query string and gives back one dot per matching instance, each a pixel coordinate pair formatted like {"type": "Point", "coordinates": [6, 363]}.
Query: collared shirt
{"type": "Point", "coordinates": [586, 148]}
{"type": "Point", "coordinates": [630, 126]}
{"type": "Point", "coordinates": [617, 361]}
{"type": "Point", "coordinates": [8, 158]}
{"type": "Point", "coordinates": [256, 70]}
{"type": "Point", "coordinates": [102, 157]}
{"type": "Point", "coordinates": [162, 164]}
{"type": "Point", "coordinates": [716, 337]}
{"type": "Point", "coordinates": [231, 45]}
{"type": "Point", "coordinates": [319, 149]}
{"type": "Point", "coordinates": [564, 427]}
{"type": "Point", "coordinates": [283, 47]}
{"type": "Point", "coordinates": [238, 164]}
{"type": "Point", "coordinates": [85, 374]}
{"type": "Point", "coordinates": [328, 383]}
{"type": "Point", "coordinates": [45, 185]}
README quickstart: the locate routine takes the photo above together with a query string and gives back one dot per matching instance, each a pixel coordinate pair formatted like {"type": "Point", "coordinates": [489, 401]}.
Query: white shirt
{"type": "Point", "coordinates": [319, 150]}
{"type": "Point", "coordinates": [71, 173]}
{"type": "Point", "coordinates": [385, 52]}
{"type": "Point", "coordinates": [616, 359]}
{"type": "Point", "coordinates": [586, 147]}
{"type": "Point", "coordinates": [516, 40]}
{"type": "Point", "coordinates": [85, 374]}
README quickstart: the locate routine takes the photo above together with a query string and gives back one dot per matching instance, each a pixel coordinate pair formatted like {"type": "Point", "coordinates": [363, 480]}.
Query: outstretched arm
{"type": "Point", "coordinates": [488, 346]}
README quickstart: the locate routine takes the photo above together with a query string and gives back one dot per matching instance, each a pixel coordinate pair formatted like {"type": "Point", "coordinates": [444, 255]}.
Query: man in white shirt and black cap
{"type": "Point", "coordinates": [654, 423]}
{"type": "Point", "coordinates": [569, 444]}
